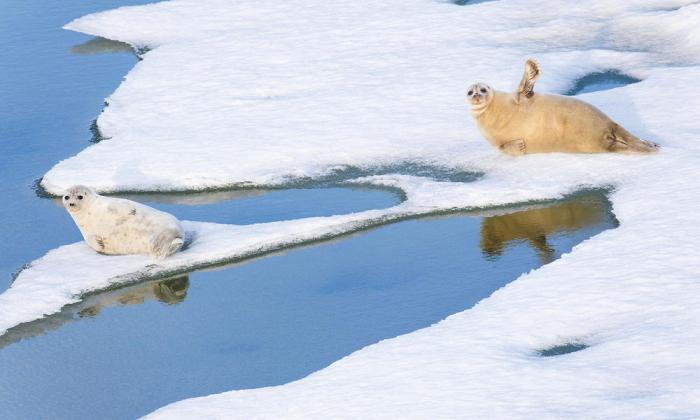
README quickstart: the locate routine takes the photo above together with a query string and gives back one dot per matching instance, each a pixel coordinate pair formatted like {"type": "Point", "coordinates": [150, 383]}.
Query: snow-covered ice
{"type": "Point", "coordinates": [261, 92]}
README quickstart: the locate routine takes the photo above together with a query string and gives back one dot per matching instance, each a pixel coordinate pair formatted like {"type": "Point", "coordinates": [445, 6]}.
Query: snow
{"type": "Point", "coordinates": [263, 92]}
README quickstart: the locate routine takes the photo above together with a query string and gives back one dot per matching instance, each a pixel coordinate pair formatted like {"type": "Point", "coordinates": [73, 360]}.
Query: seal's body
{"type": "Point", "coordinates": [117, 226]}
{"type": "Point", "coordinates": [528, 122]}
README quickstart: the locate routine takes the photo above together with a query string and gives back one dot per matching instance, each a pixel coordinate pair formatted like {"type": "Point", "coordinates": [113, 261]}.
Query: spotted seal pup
{"type": "Point", "coordinates": [117, 226]}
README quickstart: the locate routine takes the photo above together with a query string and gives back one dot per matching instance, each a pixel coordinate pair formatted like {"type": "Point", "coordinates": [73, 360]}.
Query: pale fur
{"type": "Point", "coordinates": [527, 122]}
{"type": "Point", "coordinates": [117, 226]}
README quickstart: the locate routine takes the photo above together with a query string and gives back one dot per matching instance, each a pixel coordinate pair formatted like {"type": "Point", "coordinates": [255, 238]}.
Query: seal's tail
{"type": "Point", "coordinates": [625, 142]}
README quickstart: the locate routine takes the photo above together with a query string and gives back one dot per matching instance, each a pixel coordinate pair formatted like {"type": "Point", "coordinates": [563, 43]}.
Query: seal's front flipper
{"type": "Point", "coordinates": [96, 242]}
{"type": "Point", "coordinates": [514, 148]}
{"type": "Point", "coordinates": [165, 243]}
{"type": "Point", "coordinates": [527, 83]}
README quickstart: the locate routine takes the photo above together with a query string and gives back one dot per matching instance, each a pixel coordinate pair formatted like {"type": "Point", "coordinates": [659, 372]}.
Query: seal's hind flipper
{"type": "Point", "coordinates": [622, 141]}
{"type": "Point", "coordinates": [527, 83]}
{"type": "Point", "coordinates": [165, 243]}
{"type": "Point", "coordinates": [175, 246]}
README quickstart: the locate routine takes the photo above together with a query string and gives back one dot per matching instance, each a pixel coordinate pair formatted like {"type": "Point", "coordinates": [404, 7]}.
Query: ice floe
{"type": "Point", "coordinates": [260, 92]}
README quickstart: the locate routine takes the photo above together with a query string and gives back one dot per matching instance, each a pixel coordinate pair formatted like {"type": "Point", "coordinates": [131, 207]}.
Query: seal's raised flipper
{"type": "Point", "coordinates": [527, 83]}
{"type": "Point", "coordinates": [514, 148]}
{"type": "Point", "coordinates": [622, 141]}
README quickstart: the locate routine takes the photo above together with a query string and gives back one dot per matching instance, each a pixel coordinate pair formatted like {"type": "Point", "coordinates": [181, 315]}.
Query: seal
{"type": "Point", "coordinates": [116, 226]}
{"type": "Point", "coordinates": [524, 121]}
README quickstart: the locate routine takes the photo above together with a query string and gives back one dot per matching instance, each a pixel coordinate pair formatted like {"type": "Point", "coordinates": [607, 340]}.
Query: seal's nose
{"type": "Point", "coordinates": [71, 204]}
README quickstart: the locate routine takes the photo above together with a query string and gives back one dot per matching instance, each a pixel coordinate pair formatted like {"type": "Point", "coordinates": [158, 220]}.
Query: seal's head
{"type": "Point", "coordinates": [479, 95]}
{"type": "Point", "coordinates": [78, 197]}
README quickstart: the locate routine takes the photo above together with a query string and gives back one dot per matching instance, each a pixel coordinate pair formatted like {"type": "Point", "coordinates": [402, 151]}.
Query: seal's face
{"type": "Point", "coordinates": [479, 95]}
{"type": "Point", "coordinates": [77, 198]}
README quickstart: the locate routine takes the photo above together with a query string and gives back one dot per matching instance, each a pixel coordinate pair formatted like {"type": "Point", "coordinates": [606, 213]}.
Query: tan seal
{"type": "Point", "coordinates": [118, 226]}
{"type": "Point", "coordinates": [527, 122]}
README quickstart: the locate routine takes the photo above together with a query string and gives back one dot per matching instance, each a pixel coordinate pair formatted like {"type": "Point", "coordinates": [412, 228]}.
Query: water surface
{"type": "Point", "coordinates": [275, 319]}
{"type": "Point", "coordinates": [258, 206]}
{"type": "Point", "coordinates": [598, 81]}
{"type": "Point", "coordinates": [50, 96]}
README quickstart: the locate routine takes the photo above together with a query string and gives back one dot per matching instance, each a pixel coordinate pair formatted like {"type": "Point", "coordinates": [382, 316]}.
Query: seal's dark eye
{"type": "Point", "coordinates": [66, 197]}
{"type": "Point", "coordinates": [470, 93]}
{"type": "Point", "coordinates": [80, 197]}
{"type": "Point", "coordinates": [483, 90]}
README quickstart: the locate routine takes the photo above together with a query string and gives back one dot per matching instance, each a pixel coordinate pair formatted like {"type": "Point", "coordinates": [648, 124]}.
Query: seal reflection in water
{"type": "Point", "coordinates": [533, 226]}
{"type": "Point", "coordinates": [169, 291]}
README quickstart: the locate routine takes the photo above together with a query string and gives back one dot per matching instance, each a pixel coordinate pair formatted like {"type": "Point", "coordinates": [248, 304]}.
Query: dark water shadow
{"type": "Point", "coordinates": [101, 45]}
{"type": "Point", "coordinates": [604, 80]}
{"type": "Point", "coordinates": [562, 349]}
{"type": "Point", "coordinates": [422, 169]}
{"type": "Point", "coordinates": [670, 9]}
{"type": "Point", "coordinates": [469, 2]}
{"type": "Point", "coordinates": [96, 134]}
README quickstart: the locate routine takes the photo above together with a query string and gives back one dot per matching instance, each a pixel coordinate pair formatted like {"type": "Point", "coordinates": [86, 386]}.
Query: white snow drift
{"type": "Point", "coordinates": [260, 91]}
